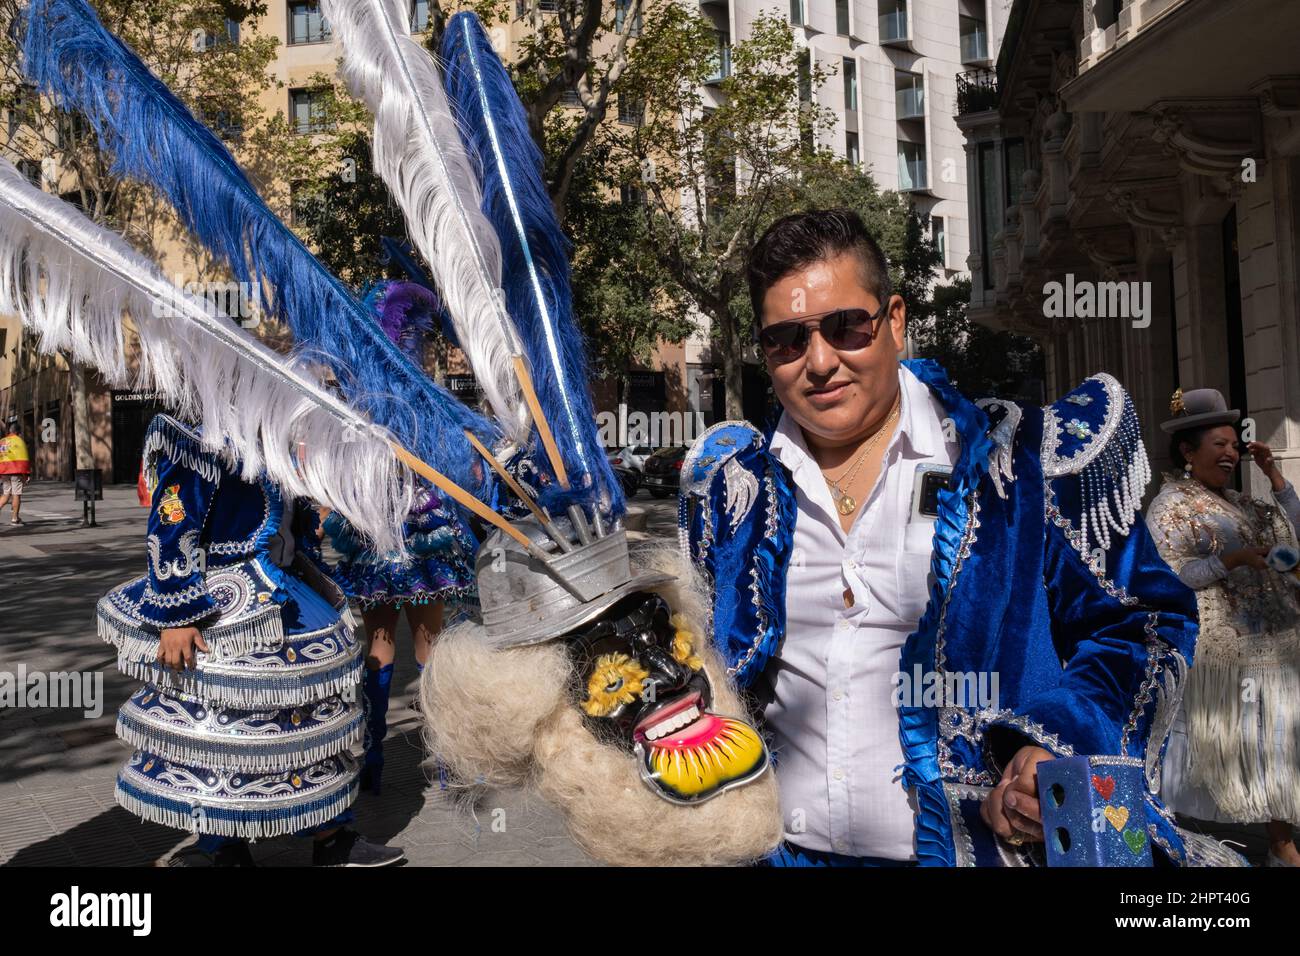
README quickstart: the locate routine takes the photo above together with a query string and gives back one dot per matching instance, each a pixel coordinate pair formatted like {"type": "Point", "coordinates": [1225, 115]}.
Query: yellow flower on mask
{"type": "Point", "coordinates": [617, 679]}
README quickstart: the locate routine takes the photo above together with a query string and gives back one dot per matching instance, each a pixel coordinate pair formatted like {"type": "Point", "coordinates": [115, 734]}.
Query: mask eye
{"type": "Point", "coordinates": [617, 679]}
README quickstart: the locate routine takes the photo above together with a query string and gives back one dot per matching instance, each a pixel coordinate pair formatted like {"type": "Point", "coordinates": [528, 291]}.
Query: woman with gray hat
{"type": "Point", "coordinates": [1234, 752]}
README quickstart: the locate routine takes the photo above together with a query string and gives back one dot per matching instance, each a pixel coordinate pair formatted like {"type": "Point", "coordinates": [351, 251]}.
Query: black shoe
{"type": "Point", "coordinates": [350, 848]}
{"type": "Point", "coordinates": [234, 853]}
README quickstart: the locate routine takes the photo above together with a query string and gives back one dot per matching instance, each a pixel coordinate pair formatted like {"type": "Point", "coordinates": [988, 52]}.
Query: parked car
{"type": "Point", "coordinates": [663, 471]}
{"type": "Point", "coordinates": [628, 469]}
{"type": "Point", "coordinates": [632, 456]}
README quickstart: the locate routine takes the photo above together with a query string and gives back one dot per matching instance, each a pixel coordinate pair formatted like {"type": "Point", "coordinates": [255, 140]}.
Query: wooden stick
{"type": "Point", "coordinates": [461, 495]}
{"type": "Point", "coordinates": [509, 479]}
{"type": "Point", "coordinates": [543, 426]}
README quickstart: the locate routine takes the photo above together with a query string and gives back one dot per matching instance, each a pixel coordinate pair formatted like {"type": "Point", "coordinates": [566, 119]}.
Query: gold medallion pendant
{"type": "Point", "coordinates": [847, 505]}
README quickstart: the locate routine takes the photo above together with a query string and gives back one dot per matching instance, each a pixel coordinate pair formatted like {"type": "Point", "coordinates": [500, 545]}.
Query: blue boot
{"type": "Point", "coordinates": [378, 686]}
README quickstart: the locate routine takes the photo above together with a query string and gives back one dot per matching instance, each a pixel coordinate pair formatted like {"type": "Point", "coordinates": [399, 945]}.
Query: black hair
{"type": "Point", "coordinates": [1192, 436]}
{"type": "Point", "coordinates": [797, 240]}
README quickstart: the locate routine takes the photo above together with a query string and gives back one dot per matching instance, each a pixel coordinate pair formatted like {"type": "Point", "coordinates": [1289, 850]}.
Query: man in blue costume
{"type": "Point", "coordinates": [927, 595]}
{"type": "Point", "coordinates": [243, 727]}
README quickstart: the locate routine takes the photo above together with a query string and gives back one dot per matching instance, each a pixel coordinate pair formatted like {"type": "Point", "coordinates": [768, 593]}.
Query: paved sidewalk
{"type": "Point", "coordinates": [57, 767]}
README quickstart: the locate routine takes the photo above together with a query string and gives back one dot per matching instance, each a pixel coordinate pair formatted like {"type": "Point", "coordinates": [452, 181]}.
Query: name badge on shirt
{"type": "Point", "coordinates": [925, 494]}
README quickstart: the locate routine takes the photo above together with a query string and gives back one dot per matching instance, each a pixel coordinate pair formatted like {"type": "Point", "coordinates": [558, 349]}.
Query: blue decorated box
{"type": "Point", "coordinates": [1094, 811]}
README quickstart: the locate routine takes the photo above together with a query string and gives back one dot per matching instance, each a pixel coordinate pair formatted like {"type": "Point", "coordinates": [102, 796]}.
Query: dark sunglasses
{"type": "Point", "coordinates": [845, 330]}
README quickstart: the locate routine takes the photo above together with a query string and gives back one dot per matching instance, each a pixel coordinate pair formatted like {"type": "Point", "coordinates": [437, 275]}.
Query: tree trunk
{"type": "Point", "coordinates": [733, 363]}
{"type": "Point", "coordinates": [81, 418]}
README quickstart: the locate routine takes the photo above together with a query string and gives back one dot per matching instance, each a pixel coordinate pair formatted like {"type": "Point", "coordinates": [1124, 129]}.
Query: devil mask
{"type": "Point", "coordinates": [641, 684]}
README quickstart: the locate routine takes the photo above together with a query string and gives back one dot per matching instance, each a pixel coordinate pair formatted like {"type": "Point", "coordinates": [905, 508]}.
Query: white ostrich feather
{"type": "Point", "coordinates": [419, 154]}
{"type": "Point", "coordinates": [74, 283]}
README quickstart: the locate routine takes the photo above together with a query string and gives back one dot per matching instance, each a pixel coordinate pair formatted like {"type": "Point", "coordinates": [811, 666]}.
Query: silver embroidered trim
{"type": "Point", "coordinates": [1168, 700]}
{"type": "Point", "coordinates": [769, 532]}
{"type": "Point", "coordinates": [741, 491]}
{"type": "Point", "coordinates": [1004, 438]}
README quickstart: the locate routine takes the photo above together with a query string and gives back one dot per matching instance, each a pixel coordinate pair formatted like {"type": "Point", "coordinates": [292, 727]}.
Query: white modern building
{"type": "Point", "coordinates": [894, 96]}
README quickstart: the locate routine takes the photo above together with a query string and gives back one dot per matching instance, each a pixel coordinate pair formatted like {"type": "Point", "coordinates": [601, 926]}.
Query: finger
{"type": "Point", "coordinates": [200, 643]}
{"type": "Point", "coordinates": [1024, 805]}
{"type": "Point", "coordinates": [1026, 826]}
{"type": "Point", "coordinates": [187, 655]}
{"type": "Point", "coordinates": [997, 818]}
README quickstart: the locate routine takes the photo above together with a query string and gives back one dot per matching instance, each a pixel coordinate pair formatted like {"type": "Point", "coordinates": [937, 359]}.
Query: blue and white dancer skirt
{"type": "Point", "coordinates": [255, 740]}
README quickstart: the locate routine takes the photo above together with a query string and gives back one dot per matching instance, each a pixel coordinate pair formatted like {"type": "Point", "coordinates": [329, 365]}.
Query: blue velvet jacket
{"type": "Point", "coordinates": [206, 519]}
{"type": "Point", "coordinates": [1043, 573]}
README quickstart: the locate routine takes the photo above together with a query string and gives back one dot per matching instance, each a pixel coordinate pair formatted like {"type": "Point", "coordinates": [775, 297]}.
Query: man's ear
{"type": "Point", "coordinates": [897, 319]}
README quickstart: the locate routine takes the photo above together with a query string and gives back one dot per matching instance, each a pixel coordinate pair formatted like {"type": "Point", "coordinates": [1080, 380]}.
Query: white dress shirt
{"type": "Point", "coordinates": [832, 715]}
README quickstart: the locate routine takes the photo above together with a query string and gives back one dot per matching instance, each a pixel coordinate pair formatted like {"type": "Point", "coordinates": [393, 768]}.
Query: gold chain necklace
{"type": "Point", "coordinates": [845, 503]}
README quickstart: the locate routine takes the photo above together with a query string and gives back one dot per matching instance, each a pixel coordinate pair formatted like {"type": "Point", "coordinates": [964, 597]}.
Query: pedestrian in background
{"type": "Point", "coordinates": [15, 469]}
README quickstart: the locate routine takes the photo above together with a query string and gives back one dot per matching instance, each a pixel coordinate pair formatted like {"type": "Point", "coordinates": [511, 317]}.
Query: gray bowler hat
{"type": "Point", "coordinates": [1198, 407]}
{"type": "Point", "coordinates": [529, 596]}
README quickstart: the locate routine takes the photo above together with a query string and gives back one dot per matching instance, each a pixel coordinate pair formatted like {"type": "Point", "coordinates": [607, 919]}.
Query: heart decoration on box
{"type": "Point", "coordinates": [1104, 785]}
{"type": "Point", "coordinates": [1118, 816]}
{"type": "Point", "coordinates": [1136, 840]}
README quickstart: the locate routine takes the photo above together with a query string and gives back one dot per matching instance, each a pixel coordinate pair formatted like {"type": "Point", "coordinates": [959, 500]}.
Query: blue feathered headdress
{"type": "Point", "coordinates": [535, 251]}
{"type": "Point", "coordinates": [154, 138]}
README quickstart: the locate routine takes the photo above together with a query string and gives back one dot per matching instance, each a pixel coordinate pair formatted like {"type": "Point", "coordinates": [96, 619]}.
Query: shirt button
{"type": "Point", "coordinates": [839, 695]}
{"type": "Point", "coordinates": [839, 774]}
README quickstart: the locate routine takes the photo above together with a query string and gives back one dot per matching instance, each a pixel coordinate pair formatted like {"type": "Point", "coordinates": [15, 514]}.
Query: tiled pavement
{"type": "Point", "coordinates": [57, 766]}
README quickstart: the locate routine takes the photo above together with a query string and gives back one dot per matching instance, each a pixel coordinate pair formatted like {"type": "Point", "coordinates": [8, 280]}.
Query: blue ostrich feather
{"type": "Point", "coordinates": [535, 255]}
{"type": "Point", "coordinates": [154, 138]}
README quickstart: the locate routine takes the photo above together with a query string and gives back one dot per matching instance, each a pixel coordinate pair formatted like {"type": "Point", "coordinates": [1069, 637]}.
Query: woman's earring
{"type": "Point", "coordinates": [1187, 469]}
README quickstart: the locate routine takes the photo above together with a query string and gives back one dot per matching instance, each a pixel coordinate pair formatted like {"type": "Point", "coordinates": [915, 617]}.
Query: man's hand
{"type": "Point", "coordinates": [177, 646]}
{"type": "Point", "coordinates": [1012, 807]}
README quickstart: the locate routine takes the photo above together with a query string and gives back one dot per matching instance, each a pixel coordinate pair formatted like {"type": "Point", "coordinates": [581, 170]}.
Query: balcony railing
{"type": "Point", "coordinates": [977, 91]}
{"type": "Point", "coordinates": [910, 102]}
{"type": "Point", "coordinates": [893, 26]}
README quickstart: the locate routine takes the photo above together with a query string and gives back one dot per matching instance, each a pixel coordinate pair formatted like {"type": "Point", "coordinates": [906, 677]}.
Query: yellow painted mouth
{"type": "Point", "coordinates": [698, 770]}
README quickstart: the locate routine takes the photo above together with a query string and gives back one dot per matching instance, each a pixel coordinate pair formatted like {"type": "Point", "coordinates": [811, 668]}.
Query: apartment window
{"type": "Point", "coordinates": [722, 58]}
{"type": "Point", "coordinates": [805, 76]}
{"type": "Point", "coordinates": [228, 36]}
{"type": "Point", "coordinates": [1015, 169]}
{"type": "Point", "coordinates": [220, 121]}
{"type": "Point", "coordinates": [546, 6]}
{"type": "Point", "coordinates": [419, 16]}
{"type": "Point", "coordinates": [974, 40]}
{"type": "Point", "coordinates": [306, 25]}
{"type": "Point", "coordinates": [909, 95]}
{"type": "Point", "coordinates": [893, 21]}
{"type": "Point", "coordinates": [851, 150]}
{"type": "Point", "coordinates": [842, 17]}
{"type": "Point", "coordinates": [911, 166]}
{"type": "Point", "coordinates": [621, 7]}
{"type": "Point", "coordinates": [989, 213]}
{"type": "Point", "coordinates": [570, 98]}
{"type": "Point", "coordinates": [31, 171]}
{"type": "Point", "coordinates": [630, 195]}
{"type": "Point", "coordinates": [631, 111]}
{"type": "Point", "coordinates": [23, 110]}
{"type": "Point", "coordinates": [307, 111]}
{"type": "Point", "coordinates": [850, 83]}
{"type": "Point", "coordinates": [939, 236]}
{"type": "Point", "coordinates": [798, 15]}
